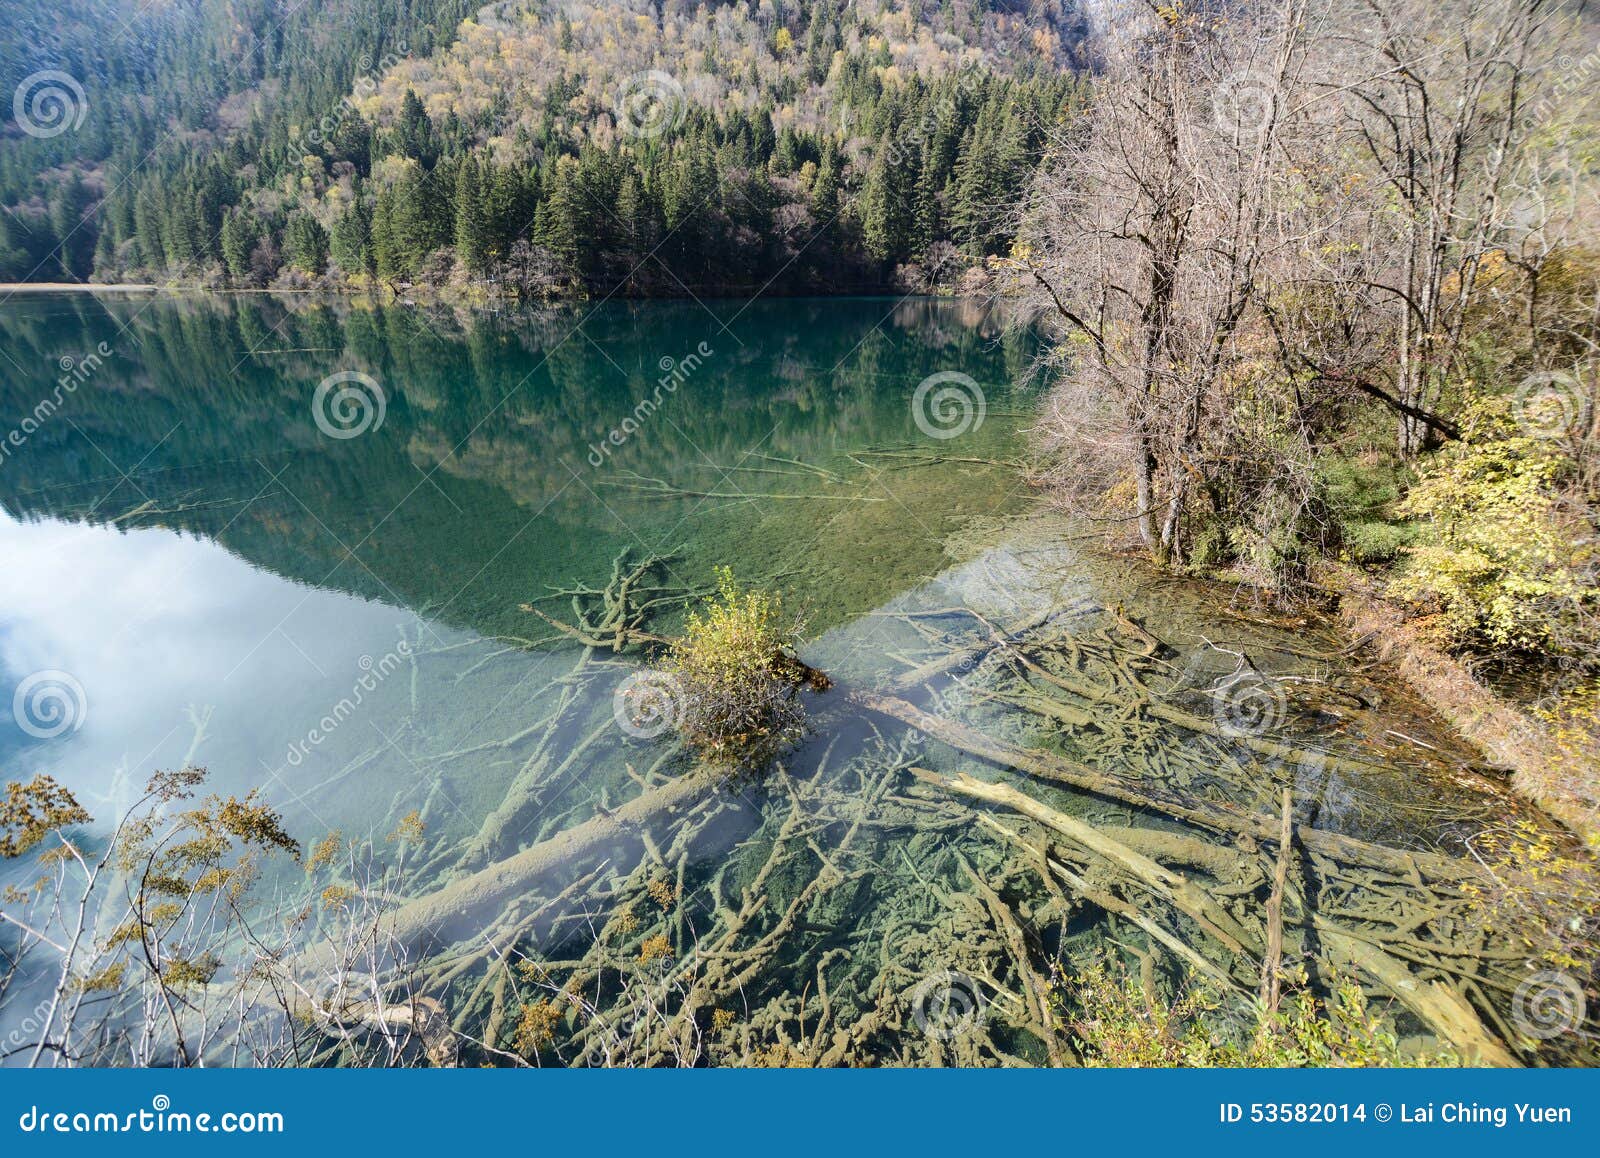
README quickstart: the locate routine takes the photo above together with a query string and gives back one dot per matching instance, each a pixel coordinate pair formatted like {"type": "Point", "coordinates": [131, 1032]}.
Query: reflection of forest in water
{"type": "Point", "coordinates": [795, 917]}
{"type": "Point", "coordinates": [479, 487]}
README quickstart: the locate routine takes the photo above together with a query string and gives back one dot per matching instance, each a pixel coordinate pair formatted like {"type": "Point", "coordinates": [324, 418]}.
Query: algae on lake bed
{"type": "Point", "coordinates": [341, 621]}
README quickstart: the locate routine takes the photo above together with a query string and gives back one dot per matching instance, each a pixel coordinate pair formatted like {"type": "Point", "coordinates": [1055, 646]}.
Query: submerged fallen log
{"type": "Point", "coordinates": [1041, 1015]}
{"type": "Point", "coordinates": [1445, 1011]}
{"type": "Point", "coordinates": [1111, 903]}
{"type": "Point", "coordinates": [968, 657]}
{"type": "Point", "coordinates": [523, 794]}
{"type": "Point", "coordinates": [1171, 886]}
{"type": "Point", "coordinates": [1438, 1006]}
{"type": "Point", "coordinates": [451, 908]}
{"type": "Point", "coordinates": [354, 1005]}
{"type": "Point", "coordinates": [1060, 770]}
{"type": "Point", "coordinates": [1167, 713]}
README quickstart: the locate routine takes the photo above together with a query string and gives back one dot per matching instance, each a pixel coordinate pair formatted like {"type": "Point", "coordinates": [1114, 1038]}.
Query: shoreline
{"type": "Point", "coordinates": [1507, 736]}
{"type": "Point", "coordinates": [469, 295]}
{"type": "Point", "coordinates": [67, 287]}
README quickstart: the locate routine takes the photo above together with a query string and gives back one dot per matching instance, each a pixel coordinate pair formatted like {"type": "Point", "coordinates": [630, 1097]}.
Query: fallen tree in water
{"type": "Point", "coordinates": [806, 925]}
{"type": "Point", "coordinates": [1435, 1002]}
{"type": "Point", "coordinates": [1058, 769]}
{"type": "Point", "coordinates": [452, 910]}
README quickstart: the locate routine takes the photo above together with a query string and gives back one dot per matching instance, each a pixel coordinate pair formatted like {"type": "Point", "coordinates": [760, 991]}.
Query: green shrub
{"type": "Point", "coordinates": [738, 677]}
{"type": "Point", "coordinates": [1371, 544]}
{"type": "Point", "coordinates": [1361, 491]}
{"type": "Point", "coordinates": [1507, 553]}
{"type": "Point", "coordinates": [1117, 1024]}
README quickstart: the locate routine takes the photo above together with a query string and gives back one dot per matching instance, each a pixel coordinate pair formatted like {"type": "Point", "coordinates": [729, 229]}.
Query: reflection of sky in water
{"type": "Point", "coordinates": [160, 628]}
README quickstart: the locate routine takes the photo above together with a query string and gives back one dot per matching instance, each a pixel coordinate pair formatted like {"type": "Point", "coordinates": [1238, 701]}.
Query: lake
{"type": "Point", "coordinates": [306, 544]}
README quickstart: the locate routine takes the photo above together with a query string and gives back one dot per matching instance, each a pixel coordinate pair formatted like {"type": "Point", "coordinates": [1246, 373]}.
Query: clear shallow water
{"type": "Point", "coordinates": [184, 541]}
{"type": "Point", "coordinates": [338, 619]}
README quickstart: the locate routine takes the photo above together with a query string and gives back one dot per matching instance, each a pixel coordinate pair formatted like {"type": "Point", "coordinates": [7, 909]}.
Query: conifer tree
{"type": "Point", "coordinates": [471, 219]}
{"type": "Point", "coordinates": [239, 235]}
{"type": "Point", "coordinates": [349, 243]}
{"type": "Point", "coordinates": [306, 244]}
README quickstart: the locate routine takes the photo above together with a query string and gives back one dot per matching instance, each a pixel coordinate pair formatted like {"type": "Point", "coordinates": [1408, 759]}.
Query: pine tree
{"type": "Point", "coordinates": [926, 226]}
{"type": "Point", "coordinates": [386, 257]}
{"type": "Point", "coordinates": [972, 203]}
{"type": "Point", "coordinates": [350, 242]}
{"type": "Point", "coordinates": [147, 229]}
{"type": "Point", "coordinates": [509, 210]}
{"type": "Point", "coordinates": [14, 260]}
{"type": "Point", "coordinates": [471, 219]}
{"type": "Point", "coordinates": [887, 217]}
{"type": "Point", "coordinates": [559, 226]}
{"type": "Point", "coordinates": [416, 222]}
{"type": "Point", "coordinates": [238, 239]}
{"type": "Point", "coordinates": [635, 224]}
{"type": "Point", "coordinates": [414, 129]}
{"type": "Point", "coordinates": [825, 204]}
{"type": "Point", "coordinates": [74, 237]}
{"type": "Point", "coordinates": [307, 244]}
{"type": "Point", "coordinates": [177, 235]}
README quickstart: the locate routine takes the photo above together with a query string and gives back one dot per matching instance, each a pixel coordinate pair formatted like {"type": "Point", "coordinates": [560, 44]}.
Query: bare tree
{"type": "Point", "coordinates": [1438, 102]}
{"type": "Point", "coordinates": [1268, 212]}
{"type": "Point", "coordinates": [1147, 243]}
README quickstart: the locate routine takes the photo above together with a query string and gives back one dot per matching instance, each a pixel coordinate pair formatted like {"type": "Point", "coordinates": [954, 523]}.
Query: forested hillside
{"type": "Point", "coordinates": [125, 110]}
{"type": "Point", "coordinates": [541, 147]}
